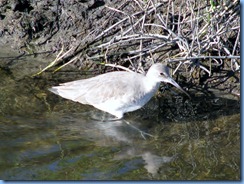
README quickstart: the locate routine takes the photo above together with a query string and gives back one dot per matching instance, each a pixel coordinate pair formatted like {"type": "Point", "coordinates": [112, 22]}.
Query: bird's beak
{"type": "Point", "coordinates": [171, 81]}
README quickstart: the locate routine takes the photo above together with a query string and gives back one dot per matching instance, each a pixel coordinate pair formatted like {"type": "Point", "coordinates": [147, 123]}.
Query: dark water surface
{"type": "Point", "coordinates": [44, 137]}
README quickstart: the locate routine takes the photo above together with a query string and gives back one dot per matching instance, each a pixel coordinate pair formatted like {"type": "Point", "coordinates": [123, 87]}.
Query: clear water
{"type": "Point", "coordinates": [44, 137]}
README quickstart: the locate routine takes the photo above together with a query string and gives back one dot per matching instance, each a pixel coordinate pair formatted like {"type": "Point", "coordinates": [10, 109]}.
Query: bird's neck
{"type": "Point", "coordinates": [151, 85]}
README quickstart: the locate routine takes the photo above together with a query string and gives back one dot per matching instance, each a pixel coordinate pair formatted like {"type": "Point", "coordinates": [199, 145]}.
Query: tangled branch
{"type": "Point", "coordinates": [190, 33]}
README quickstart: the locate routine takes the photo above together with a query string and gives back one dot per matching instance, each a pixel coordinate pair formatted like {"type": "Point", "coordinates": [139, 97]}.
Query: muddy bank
{"type": "Point", "coordinates": [199, 41]}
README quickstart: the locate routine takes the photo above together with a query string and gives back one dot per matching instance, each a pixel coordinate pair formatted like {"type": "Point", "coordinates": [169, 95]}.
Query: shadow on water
{"type": "Point", "coordinates": [47, 137]}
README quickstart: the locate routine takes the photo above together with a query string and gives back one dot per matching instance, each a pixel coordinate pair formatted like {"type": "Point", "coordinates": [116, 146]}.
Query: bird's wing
{"type": "Point", "coordinates": [117, 85]}
{"type": "Point", "coordinates": [99, 89]}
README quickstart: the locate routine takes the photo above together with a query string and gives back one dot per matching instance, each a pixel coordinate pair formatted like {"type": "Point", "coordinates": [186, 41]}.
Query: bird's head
{"type": "Point", "coordinates": [160, 73]}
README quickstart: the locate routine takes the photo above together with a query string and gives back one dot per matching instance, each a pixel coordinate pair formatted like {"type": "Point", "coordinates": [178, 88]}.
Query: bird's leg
{"type": "Point", "coordinates": [104, 118]}
{"type": "Point", "coordinates": [142, 132]}
{"type": "Point", "coordinates": [110, 119]}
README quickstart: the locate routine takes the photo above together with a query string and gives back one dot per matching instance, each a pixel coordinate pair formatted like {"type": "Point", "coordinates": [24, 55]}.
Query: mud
{"type": "Point", "coordinates": [46, 27]}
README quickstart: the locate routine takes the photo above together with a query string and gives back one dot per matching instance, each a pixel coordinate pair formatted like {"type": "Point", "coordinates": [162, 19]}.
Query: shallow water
{"type": "Point", "coordinates": [44, 137]}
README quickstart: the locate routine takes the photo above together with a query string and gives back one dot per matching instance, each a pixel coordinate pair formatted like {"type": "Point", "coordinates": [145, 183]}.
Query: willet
{"type": "Point", "coordinates": [117, 92]}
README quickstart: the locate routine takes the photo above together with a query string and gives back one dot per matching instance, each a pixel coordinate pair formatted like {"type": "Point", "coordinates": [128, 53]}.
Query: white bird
{"type": "Point", "coordinates": [117, 92]}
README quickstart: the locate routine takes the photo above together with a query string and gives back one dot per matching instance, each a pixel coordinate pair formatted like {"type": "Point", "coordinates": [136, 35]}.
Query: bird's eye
{"type": "Point", "coordinates": [162, 74]}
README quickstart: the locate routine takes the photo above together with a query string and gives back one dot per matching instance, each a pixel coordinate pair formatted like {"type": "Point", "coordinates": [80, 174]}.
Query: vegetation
{"type": "Point", "coordinates": [198, 39]}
